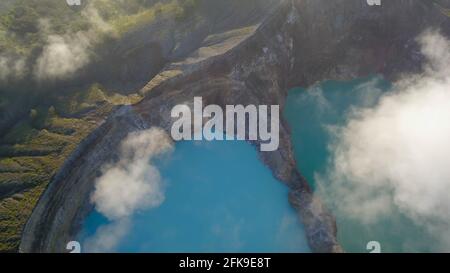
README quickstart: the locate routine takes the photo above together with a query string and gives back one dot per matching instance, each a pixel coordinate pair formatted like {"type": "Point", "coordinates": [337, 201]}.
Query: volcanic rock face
{"type": "Point", "coordinates": [299, 43]}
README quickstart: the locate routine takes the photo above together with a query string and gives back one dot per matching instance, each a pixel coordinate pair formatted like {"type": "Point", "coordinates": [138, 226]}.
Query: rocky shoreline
{"type": "Point", "coordinates": [300, 43]}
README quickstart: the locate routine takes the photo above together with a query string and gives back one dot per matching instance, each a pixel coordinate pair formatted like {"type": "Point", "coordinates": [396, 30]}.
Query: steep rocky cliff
{"type": "Point", "coordinates": [299, 43]}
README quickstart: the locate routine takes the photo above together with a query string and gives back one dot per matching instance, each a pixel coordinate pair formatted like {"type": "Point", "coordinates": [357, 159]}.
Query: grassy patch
{"type": "Point", "coordinates": [36, 147]}
{"type": "Point", "coordinates": [25, 26]}
{"type": "Point", "coordinates": [123, 24]}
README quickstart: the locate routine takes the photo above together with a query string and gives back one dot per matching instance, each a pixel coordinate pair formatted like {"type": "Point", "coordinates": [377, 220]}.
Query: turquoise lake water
{"type": "Point", "coordinates": [219, 197]}
{"type": "Point", "coordinates": [309, 112]}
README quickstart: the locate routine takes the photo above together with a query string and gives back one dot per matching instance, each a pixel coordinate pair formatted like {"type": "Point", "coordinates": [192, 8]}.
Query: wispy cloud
{"type": "Point", "coordinates": [12, 68]}
{"type": "Point", "coordinates": [396, 155]}
{"type": "Point", "coordinates": [64, 55]}
{"type": "Point", "coordinates": [107, 237]}
{"type": "Point", "coordinates": [130, 185]}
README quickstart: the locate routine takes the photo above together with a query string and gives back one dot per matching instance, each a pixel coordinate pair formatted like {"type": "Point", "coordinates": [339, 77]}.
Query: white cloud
{"type": "Point", "coordinates": [130, 185]}
{"type": "Point", "coordinates": [397, 154]}
{"type": "Point", "coordinates": [64, 55]}
{"type": "Point", "coordinates": [107, 237]}
{"type": "Point", "coordinates": [12, 68]}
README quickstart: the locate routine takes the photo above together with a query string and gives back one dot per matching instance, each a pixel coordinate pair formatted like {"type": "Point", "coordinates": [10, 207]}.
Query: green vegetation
{"type": "Point", "coordinates": [55, 122]}
{"type": "Point", "coordinates": [34, 149]}
{"type": "Point", "coordinates": [22, 27]}
{"type": "Point", "coordinates": [123, 24]}
{"type": "Point", "coordinates": [27, 23]}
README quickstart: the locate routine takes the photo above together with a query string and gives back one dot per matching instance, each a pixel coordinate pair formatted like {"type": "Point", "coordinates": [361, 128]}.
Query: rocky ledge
{"type": "Point", "coordinates": [299, 43]}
